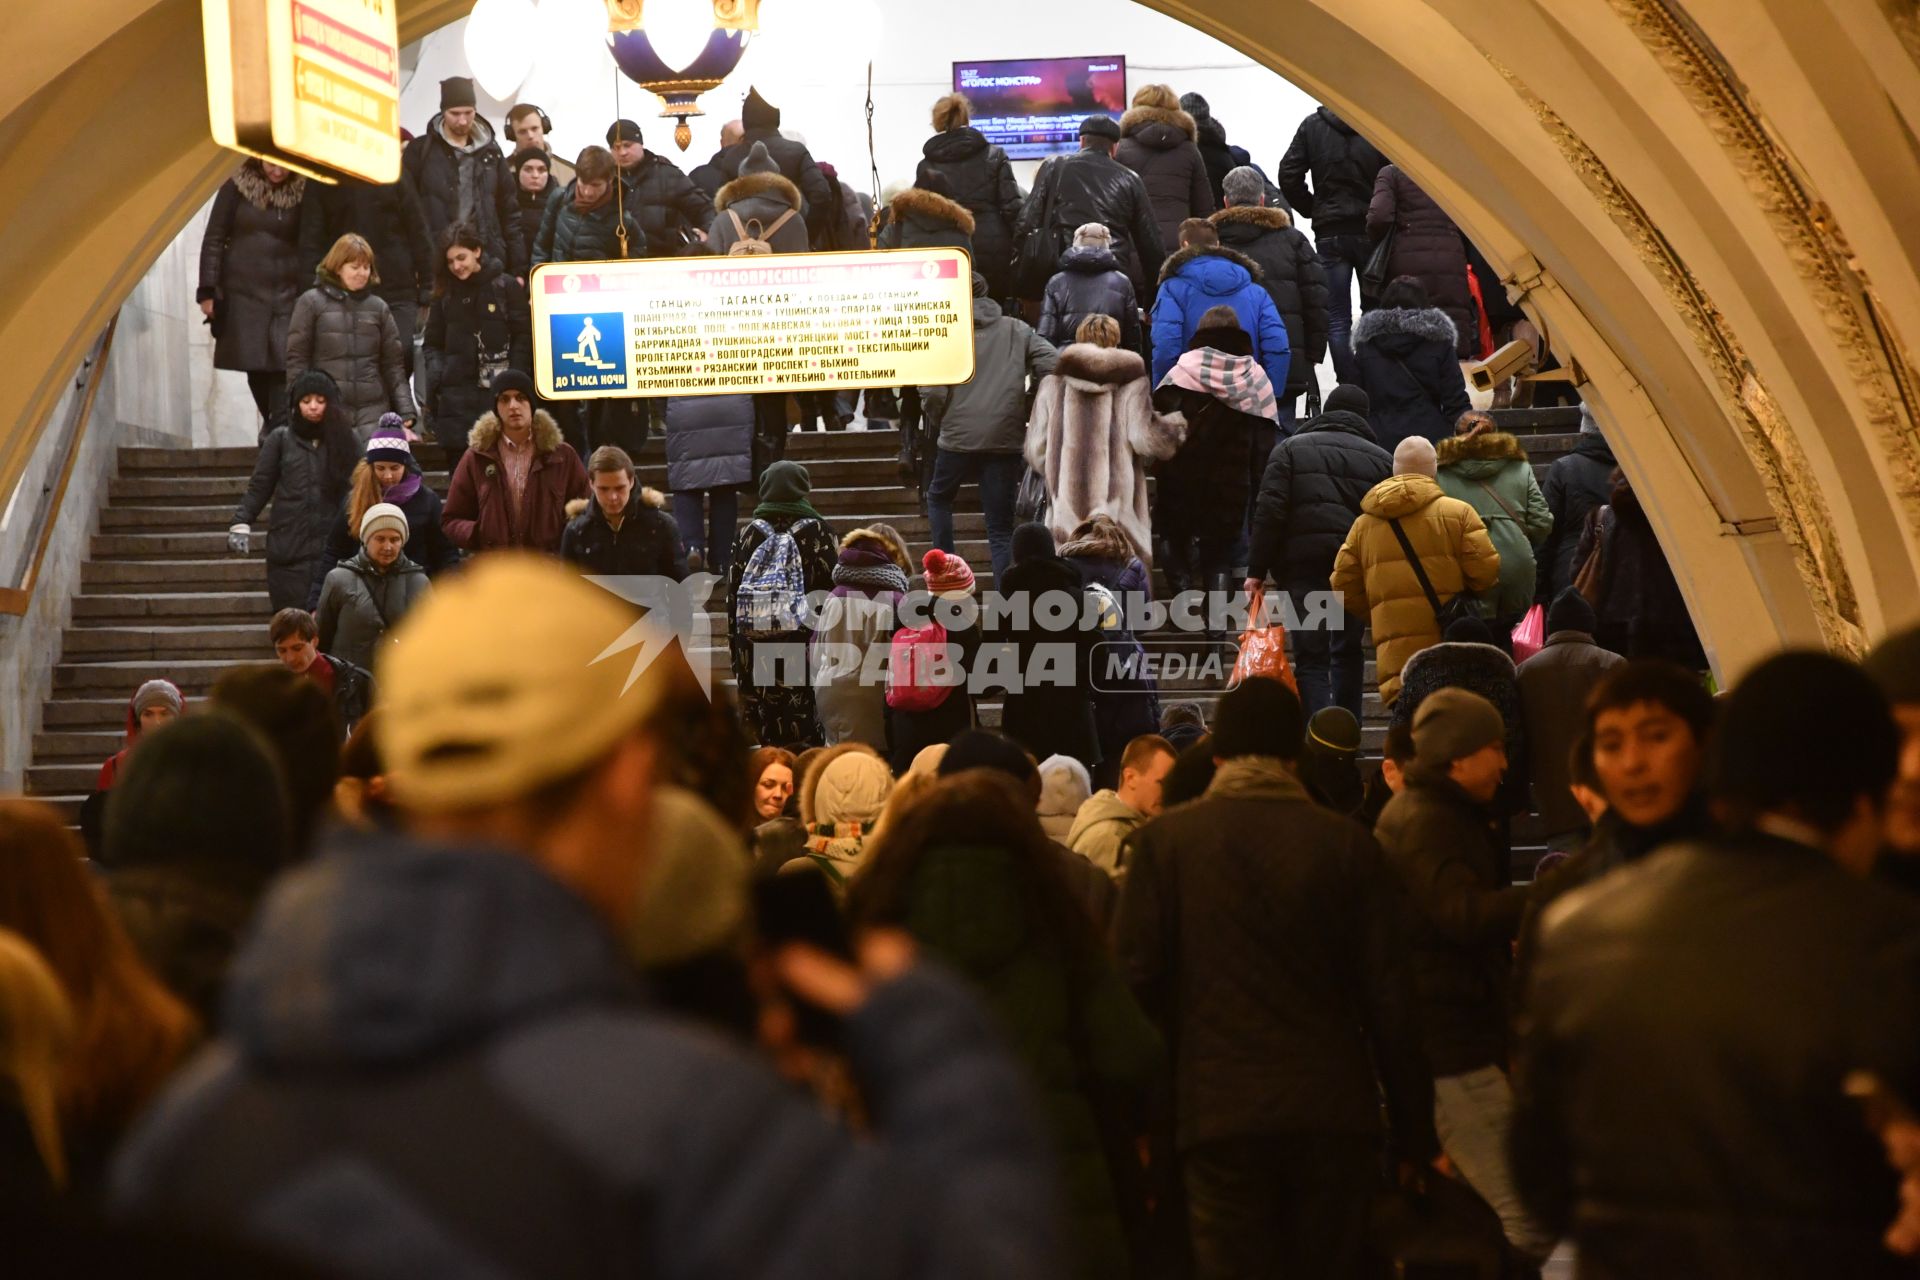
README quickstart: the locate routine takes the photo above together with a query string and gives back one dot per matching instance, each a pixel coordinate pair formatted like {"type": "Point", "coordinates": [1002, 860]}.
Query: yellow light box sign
{"type": "Point", "coordinates": [728, 326]}
{"type": "Point", "coordinates": [311, 84]}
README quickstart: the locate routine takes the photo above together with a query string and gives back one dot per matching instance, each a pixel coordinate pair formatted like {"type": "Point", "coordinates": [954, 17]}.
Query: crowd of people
{"type": "Point", "coordinates": [454, 942]}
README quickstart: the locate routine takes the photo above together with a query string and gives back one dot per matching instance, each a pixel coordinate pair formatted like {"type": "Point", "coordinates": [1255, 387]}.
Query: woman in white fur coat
{"type": "Point", "coordinates": [1093, 432]}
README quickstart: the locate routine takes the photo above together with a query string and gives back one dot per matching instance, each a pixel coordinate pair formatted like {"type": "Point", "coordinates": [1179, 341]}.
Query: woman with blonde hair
{"type": "Point", "coordinates": [960, 161]}
{"type": "Point", "coordinates": [36, 1034]}
{"type": "Point", "coordinates": [388, 473]}
{"type": "Point", "coordinates": [343, 328]}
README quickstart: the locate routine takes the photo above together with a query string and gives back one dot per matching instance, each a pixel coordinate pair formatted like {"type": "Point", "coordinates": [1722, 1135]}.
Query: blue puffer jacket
{"type": "Point", "coordinates": [444, 1048]}
{"type": "Point", "coordinates": [1201, 277]}
{"type": "Point", "coordinates": [709, 442]}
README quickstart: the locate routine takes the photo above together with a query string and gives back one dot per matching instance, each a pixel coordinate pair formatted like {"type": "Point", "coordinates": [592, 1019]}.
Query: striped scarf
{"type": "Point", "coordinates": [1235, 381]}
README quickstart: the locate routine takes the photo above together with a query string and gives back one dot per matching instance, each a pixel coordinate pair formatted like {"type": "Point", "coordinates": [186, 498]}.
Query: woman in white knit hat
{"type": "Point", "coordinates": [370, 592]}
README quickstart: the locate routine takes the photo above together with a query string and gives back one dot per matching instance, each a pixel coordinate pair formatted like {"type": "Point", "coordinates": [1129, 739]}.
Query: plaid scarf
{"type": "Point", "coordinates": [1235, 381]}
{"type": "Point", "coordinates": [875, 577]}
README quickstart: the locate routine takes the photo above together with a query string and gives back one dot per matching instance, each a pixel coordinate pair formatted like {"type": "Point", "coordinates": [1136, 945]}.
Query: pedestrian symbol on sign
{"type": "Point", "coordinates": [588, 351]}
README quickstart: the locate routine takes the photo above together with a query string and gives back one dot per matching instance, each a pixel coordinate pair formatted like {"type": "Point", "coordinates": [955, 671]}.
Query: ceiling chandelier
{"type": "Point", "coordinates": [680, 49]}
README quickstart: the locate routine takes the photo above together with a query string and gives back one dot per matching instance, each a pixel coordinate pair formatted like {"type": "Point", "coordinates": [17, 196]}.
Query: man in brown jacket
{"type": "Point", "coordinates": [516, 478]}
{"type": "Point", "coordinates": [1374, 575]}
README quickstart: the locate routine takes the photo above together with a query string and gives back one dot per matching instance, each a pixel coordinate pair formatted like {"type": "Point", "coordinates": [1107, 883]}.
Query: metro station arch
{"type": "Point", "coordinates": [1708, 205]}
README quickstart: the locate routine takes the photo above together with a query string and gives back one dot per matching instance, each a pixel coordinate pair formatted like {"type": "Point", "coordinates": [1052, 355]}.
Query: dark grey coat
{"type": "Point", "coordinates": [1576, 485]}
{"type": "Point", "coordinates": [250, 265]}
{"type": "Point", "coordinates": [359, 604]}
{"type": "Point", "coordinates": [1158, 144]}
{"type": "Point", "coordinates": [1554, 684]}
{"type": "Point", "coordinates": [351, 338]}
{"type": "Point", "coordinates": [709, 442]}
{"type": "Point", "coordinates": [306, 480]}
{"type": "Point", "coordinates": [1089, 282]}
{"type": "Point", "coordinates": [1410, 374]}
{"type": "Point", "coordinates": [762, 198]}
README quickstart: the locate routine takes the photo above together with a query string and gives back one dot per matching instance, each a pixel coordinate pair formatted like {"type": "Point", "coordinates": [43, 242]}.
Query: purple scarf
{"type": "Point", "coordinates": [403, 489]}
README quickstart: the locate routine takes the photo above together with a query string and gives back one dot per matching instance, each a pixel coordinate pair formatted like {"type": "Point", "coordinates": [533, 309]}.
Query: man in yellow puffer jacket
{"type": "Point", "coordinates": [1375, 577]}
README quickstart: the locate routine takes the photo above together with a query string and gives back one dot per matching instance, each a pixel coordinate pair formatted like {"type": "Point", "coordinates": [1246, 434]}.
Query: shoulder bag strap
{"type": "Point", "coordinates": [778, 223]}
{"type": "Point", "coordinates": [1053, 195]}
{"type": "Point", "coordinates": [1492, 493]}
{"type": "Point", "coordinates": [1419, 570]}
{"type": "Point", "coordinates": [739, 230]}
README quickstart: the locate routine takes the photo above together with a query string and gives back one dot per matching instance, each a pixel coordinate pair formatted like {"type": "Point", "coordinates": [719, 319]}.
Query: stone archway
{"type": "Point", "coordinates": [1697, 200]}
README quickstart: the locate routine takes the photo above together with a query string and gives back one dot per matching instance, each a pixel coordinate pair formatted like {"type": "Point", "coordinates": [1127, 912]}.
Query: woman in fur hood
{"type": "Point", "coordinates": [764, 195]}
{"type": "Point", "coordinates": [1404, 352]}
{"type": "Point", "coordinates": [928, 217]}
{"type": "Point", "coordinates": [1157, 141]}
{"type": "Point", "coordinates": [1093, 432]}
{"type": "Point", "coordinates": [1489, 471]}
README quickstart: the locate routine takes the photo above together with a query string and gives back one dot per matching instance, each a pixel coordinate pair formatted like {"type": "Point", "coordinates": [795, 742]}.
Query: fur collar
{"type": "Point", "coordinates": [1430, 323]}
{"type": "Point", "coordinates": [932, 207]}
{"type": "Point", "coordinates": [1266, 216]}
{"type": "Point", "coordinates": [649, 496]}
{"type": "Point", "coordinates": [1488, 446]}
{"type": "Point", "coordinates": [758, 184]}
{"type": "Point", "coordinates": [485, 436]}
{"type": "Point", "coordinates": [251, 182]}
{"type": "Point", "coordinates": [1138, 118]}
{"type": "Point", "coordinates": [1112, 366]}
{"type": "Point", "coordinates": [1171, 267]}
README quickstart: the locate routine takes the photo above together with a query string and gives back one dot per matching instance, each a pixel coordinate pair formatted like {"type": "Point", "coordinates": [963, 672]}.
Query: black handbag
{"type": "Point", "coordinates": [1039, 254]}
{"type": "Point", "coordinates": [1444, 615]}
{"type": "Point", "coordinates": [1031, 501]}
{"type": "Point", "coordinates": [1378, 273]}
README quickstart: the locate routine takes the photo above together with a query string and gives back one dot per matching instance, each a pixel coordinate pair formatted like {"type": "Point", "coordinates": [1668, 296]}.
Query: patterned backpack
{"type": "Point", "coordinates": [772, 599]}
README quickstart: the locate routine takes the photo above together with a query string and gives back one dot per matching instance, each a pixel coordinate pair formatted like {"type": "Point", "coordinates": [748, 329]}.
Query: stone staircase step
{"type": "Point", "coordinates": [222, 573]}
{"type": "Point", "coordinates": [117, 678]}
{"type": "Point", "coordinates": [181, 607]}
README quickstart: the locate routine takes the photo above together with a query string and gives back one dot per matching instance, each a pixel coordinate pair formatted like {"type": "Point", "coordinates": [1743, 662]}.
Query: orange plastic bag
{"type": "Point", "coordinates": [1263, 650]}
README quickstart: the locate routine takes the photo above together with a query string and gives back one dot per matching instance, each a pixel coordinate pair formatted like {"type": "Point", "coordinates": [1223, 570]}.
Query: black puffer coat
{"type": "Point", "coordinates": [709, 442]}
{"type": "Point", "coordinates": [1310, 497]}
{"type": "Point", "coordinates": [1158, 144]}
{"type": "Point", "coordinates": [486, 313]}
{"type": "Point", "coordinates": [250, 265]}
{"type": "Point", "coordinates": [1576, 485]}
{"type": "Point", "coordinates": [567, 235]}
{"type": "Point", "coordinates": [351, 338]}
{"type": "Point", "coordinates": [666, 203]}
{"type": "Point", "coordinates": [1089, 283]}
{"type": "Point", "coordinates": [1094, 187]}
{"type": "Point", "coordinates": [434, 170]}
{"type": "Point", "coordinates": [533, 211]}
{"type": "Point", "coordinates": [981, 179]}
{"type": "Point", "coordinates": [387, 216]}
{"type": "Point", "coordinates": [796, 165]}
{"type": "Point", "coordinates": [1054, 717]}
{"type": "Point", "coordinates": [918, 219]}
{"type": "Point", "coordinates": [647, 543]}
{"type": "Point", "coordinates": [1344, 167]}
{"type": "Point", "coordinates": [306, 480]}
{"type": "Point", "coordinates": [1411, 374]}
{"type": "Point", "coordinates": [1291, 273]}
{"type": "Point", "coordinates": [1429, 248]}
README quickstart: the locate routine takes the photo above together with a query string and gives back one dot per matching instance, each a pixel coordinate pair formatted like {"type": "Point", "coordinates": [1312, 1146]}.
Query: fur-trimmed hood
{"type": "Point", "coordinates": [1488, 446]}
{"type": "Point", "coordinates": [1138, 118]}
{"type": "Point", "coordinates": [1430, 324]}
{"type": "Point", "coordinates": [929, 206]}
{"type": "Point", "coordinates": [485, 436]}
{"type": "Point", "coordinates": [1104, 366]}
{"type": "Point", "coordinates": [747, 186]}
{"type": "Point", "coordinates": [250, 180]}
{"type": "Point", "coordinates": [1265, 216]}
{"type": "Point", "coordinates": [649, 495]}
{"type": "Point", "coordinates": [1175, 261]}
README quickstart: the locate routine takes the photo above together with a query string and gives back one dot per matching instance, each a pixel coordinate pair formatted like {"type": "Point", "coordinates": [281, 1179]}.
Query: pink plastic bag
{"type": "Point", "coordinates": [1531, 635]}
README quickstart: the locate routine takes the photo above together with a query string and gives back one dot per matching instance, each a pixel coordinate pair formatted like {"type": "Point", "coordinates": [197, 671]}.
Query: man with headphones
{"type": "Point", "coordinates": [528, 127]}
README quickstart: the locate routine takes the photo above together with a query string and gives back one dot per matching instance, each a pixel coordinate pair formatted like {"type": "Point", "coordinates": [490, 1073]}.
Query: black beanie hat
{"type": "Point", "coordinates": [1469, 629]}
{"type": "Point", "coordinates": [525, 154]}
{"type": "Point", "coordinates": [623, 131]}
{"type": "Point", "coordinates": [1804, 730]}
{"type": "Point", "coordinates": [1349, 398]}
{"type": "Point", "coordinates": [1571, 612]}
{"type": "Point", "coordinates": [1259, 717]}
{"type": "Point", "coordinates": [512, 380]}
{"type": "Point", "coordinates": [1032, 541]}
{"type": "Point", "coordinates": [457, 91]}
{"type": "Point", "coordinates": [1894, 665]}
{"type": "Point", "coordinates": [986, 749]}
{"type": "Point", "coordinates": [758, 113]}
{"type": "Point", "coordinates": [313, 382]}
{"type": "Point", "coordinates": [203, 790]}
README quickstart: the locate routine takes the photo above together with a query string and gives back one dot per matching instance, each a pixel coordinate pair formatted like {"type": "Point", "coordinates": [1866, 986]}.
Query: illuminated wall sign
{"type": "Point", "coordinates": [726, 326]}
{"type": "Point", "coordinates": [311, 84]}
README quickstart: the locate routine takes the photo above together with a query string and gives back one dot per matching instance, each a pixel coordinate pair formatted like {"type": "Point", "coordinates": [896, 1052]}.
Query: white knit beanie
{"type": "Point", "coordinates": [384, 515]}
{"type": "Point", "coordinates": [853, 788]}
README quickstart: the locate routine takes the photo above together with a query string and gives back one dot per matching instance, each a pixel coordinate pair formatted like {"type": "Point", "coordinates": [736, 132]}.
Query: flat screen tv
{"type": "Point", "coordinates": [1033, 107]}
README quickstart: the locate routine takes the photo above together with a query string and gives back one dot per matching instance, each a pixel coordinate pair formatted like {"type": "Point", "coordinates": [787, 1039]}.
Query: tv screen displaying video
{"type": "Point", "coordinates": [1033, 107]}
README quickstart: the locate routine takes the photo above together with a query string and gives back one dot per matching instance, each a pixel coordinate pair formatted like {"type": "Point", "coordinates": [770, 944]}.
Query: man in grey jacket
{"type": "Point", "coordinates": [1554, 684]}
{"type": "Point", "coordinates": [981, 425]}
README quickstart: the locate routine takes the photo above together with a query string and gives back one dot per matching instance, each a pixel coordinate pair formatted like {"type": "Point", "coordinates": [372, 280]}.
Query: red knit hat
{"type": "Point", "coordinates": [946, 573]}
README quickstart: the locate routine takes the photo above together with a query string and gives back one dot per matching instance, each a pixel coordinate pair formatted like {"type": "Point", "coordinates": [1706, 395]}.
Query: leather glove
{"type": "Point", "coordinates": [237, 539]}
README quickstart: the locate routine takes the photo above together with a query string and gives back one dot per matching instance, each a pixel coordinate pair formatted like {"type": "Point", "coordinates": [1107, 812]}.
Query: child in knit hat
{"type": "Point", "coordinates": [948, 603]}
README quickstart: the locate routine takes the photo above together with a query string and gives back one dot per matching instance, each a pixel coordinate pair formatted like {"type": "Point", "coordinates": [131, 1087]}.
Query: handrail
{"type": "Point", "coordinates": [16, 600]}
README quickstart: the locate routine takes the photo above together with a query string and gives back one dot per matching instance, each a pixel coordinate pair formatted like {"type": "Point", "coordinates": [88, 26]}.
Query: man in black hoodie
{"type": "Point", "coordinates": [1343, 166]}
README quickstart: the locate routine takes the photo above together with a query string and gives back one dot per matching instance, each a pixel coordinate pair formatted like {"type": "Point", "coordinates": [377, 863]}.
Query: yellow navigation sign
{"type": "Point", "coordinates": [727, 326]}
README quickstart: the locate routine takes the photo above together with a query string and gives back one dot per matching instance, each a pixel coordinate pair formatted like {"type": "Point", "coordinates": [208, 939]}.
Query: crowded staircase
{"type": "Point", "coordinates": [161, 595]}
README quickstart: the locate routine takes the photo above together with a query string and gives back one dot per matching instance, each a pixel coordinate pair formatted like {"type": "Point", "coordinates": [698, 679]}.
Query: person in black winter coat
{"type": "Point", "coordinates": [534, 184]}
{"type": "Point", "coordinates": [1089, 282]}
{"type": "Point", "coordinates": [1220, 156]}
{"type": "Point", "coordinates": [1428, 247]}
{"type": "Point", "coordinates": [458, 174]}
{"type": "Point", "coordinates": [1290, 272]}
{"type": "Point", "coordinates": [389, 217]}
{"type": "Point", "coordinates": [251, 274]}
{"type": "Point", "coordinates": [479, 325]}
{"type": "Point", "coordinates": [672, 211]}
{"type": "Point", "coordinates": [1576, 485]}
{"type": "Point", "coordinates": [388, 473]}
{"type": "Point", "coordinates": [1054, 714]}
{"type": "Point", "coordinates": [761, 123]}
{"type": "Point", "coordinates": [979, 176]}
{"type": "Point", "coordinates": [1309, 498]}
{"type": "Point", "coordinates": [1091, 186]}
{"type": "Point", "coordinates": [303, 469]}
{"type": "Point", "coordinates": [1157, 142]}
{"type": "Point", "coordinates": [341, 327]}
{"type": "Point", "coordinates": [623, 530]}
{"type": "Point", "coordinates": [709, 460]}
{"type": "Point", "coordinates": [1642, 613]}
{"type": "Point", "coordinates": [1344, 167]}
{"type": "Point", "coordinates": [1405, 356]}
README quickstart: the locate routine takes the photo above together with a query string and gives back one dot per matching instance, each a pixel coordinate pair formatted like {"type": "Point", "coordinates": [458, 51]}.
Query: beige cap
{"type": "Point", "coordinates": [501, 681]}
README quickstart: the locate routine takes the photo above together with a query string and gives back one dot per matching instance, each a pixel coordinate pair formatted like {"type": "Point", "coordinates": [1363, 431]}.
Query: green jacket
{"type": "Point", "coordinates": [1068, 1019]}
{"type": "Point", "coordinates": [1475, 469]}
